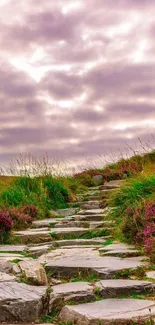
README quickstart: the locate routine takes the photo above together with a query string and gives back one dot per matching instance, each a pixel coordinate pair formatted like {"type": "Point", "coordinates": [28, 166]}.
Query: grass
{"type": "Point", "coordinates": [86, 277]}
{"type": "Point", "coordinates": [134, 212]}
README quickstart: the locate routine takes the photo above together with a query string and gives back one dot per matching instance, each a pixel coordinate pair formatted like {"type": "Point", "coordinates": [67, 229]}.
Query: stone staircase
{"type": "Point", "coordinates": [68, 270]}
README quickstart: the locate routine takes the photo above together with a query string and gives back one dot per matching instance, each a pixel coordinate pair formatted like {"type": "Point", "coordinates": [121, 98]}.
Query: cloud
{"type": "Point", "coordinates": [76, 78]}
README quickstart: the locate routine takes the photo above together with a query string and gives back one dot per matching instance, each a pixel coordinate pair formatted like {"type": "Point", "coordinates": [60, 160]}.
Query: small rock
{"type": "Point", "coordinates": [98, 180]}
{"type": "Point", "coordinates": [16, 269]}
{"type": "Point", "coordinates": [5, 266]}
{"type": "Point", "coordinates": [4, 277]}
{"type": "Point", "coordinates": [54, 281]}
{"type": "Point", "coordinates": [34, 272]}
{"type": "Point", "coordinates": [151, 274]}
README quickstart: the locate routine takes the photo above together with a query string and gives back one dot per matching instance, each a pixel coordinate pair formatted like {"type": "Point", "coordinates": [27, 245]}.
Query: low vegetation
{"type": "Point", "coordinates": [24, 198]}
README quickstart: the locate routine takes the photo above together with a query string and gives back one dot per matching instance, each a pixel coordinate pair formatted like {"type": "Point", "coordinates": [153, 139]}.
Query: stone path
{"type": "Point", "coordinates": [76, 270]}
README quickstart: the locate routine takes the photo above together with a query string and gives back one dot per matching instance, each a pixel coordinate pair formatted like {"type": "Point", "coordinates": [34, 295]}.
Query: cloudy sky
{"type": "Point", "coordinates": [77, 78]}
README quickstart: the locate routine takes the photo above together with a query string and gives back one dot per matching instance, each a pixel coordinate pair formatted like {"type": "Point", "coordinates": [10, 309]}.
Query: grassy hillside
{"type": "Point", "coordinates": [24, 198]}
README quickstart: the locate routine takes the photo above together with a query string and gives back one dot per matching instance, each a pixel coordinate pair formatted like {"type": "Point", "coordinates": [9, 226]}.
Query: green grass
{"type": "Point", "coordinates": [86, 276]}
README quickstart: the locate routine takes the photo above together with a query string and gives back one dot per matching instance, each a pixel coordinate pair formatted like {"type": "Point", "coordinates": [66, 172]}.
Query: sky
{"type": "Point", "coordinates": [77, 78]}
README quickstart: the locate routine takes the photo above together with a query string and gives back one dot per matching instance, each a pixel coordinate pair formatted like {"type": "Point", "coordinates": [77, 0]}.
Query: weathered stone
{"type": "Point", "coordinates": [34, 272]}
{"type": "Point", "coordinates": [38, 250]}
{"type": "Point", "coordinates": [11, 256]}
{"type": "Point", "coordinates": [90, 217]}
{"type": "Point", "coordinates": [46, 222]}
{"type": "Point", "coordinates": [109, 311]}
{"type": "Point", "coordinates": [151, 275]}
{"type": "Point", "coordinates": [77, 292]}
{"type": "Point", "coordinates": [93, 211]}
{"type": "Point", "coordinates": [16, 269]}
{"type": "Point", "coordinates": [60, 232]}
{"type": "Point", "coordinates": [12, 248]}
{"type": "Point", "coordinates": [66, 262]}
{"type": "Point", "coordinates": [114, 288]}
{"type": "Point", "coordinates": [90, 205]}
{"type": "Point", "coordinates": [21, 302]}
{"type": "Point", "coordinates": [121, 253]}
{"type": "Point", "coordinates": [68, 242]}
{"type": "Point", "coordinates": [67, 212]}
{"type": "Point", "coordinates": [4, 277]}
{"type": "Point", "coordinates": [5, 266]}
{"type": "Point", "coordinates": [98, 179]}
{"type": "Point", "coordinates": [28, 236]}
{"type": "Point", "coordinates": [112, 184]}
{"type": "Point", "coordinates": [116, 246]}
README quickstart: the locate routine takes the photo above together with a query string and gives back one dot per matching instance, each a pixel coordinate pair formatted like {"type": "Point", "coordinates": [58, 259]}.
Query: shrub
{"type": "Point", "coordinates": [13, 196]}
{"type": "Point", "coordinates": [6, 225]}
{"type": "Point", "coordinates": [20, 219]}
{"type": "Point", "coordinates": [58, 194]}
{"type": "Point", "coordinates": [135, 211]}
{"type": "Point", "coordinates": [31, 210]}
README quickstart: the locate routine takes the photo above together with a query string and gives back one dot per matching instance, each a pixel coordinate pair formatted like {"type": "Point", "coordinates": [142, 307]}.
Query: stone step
{"type": "Point", "coordinates": [119, 249]}
{"type": "Point", "coordinates": [67, 212]}
{"type": "Point", "coordinates": [67, 263]}
{"type": "Point", "coordinates": [123, 287]}
{"type": "Point", "coordinates": [80, 242]}
{"type": "Point", "coordinates": [83, 224]}
{"type": "Point", "coordinates": [88, 197]}
{"type": "Point", "coordinates": [93, 211]}
{"type": "Point", "coordinates": [30, 236]}
{"type": "Point", "coordinates": [90, 217]}
{"type": "Point", "coordinates": [12, 256]}
{"type": "Point", "coordinates": [109, 311]}
{"type": "Point", "coordinates": [75, 232]}
{"type": "Point", "coordinates": [90, 205]}
{"type": "Point", "coordinates": [71, 292]}
{"type": "Point", "coordinates": [12, 248]}
{"type": "Point", "coordinates": [46, 222]}
{"type": "Point", "coordinates": [20, 302]}
{"type": "Point", "coordinates": [112, 185]}
{"type": "Point", "coordinates": [122, 253]}
{"type": "Point", "coordinates": [61, 232]}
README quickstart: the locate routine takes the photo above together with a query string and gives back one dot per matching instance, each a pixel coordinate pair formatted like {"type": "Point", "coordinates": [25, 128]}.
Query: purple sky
{"type": "Point", "coordinates": [77, 77]}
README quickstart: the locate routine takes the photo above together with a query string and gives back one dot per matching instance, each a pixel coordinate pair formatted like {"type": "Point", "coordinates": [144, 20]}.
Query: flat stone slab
{"type": "Point", "coordinates": [21, 302]}
{"type": "Point", "coordinates": [77, 292]}
{"type": "Point", "coordinates": [12, 248]}
{"type": "Point", "coordinates": [92, 211]}
{"type": "Point", "coordinates": [151, 275]}
{"type": "Point", "coordinates": [114, 288]}
{"type": "Point", "coordinates": [11, 256]}
{"type": "Point", "coordinates": [38, 250]}
{"type": "Point", "coordinates": [46, 222]}
{"type": "Point", "coordinates": [69, 231]}
{"type": "Point", "coordinates": [4, 277]}
{"type": "Point", "coordinates": [29, 236]}
{"type": "Point", "coordinates": [67, 212]}
{"type": "Point", "coordinates": [121, 252]}
{"type": "Point", "coordinates": [90, 217]}
{"type": "Point", "coordinates": [116, 246]}
{"type": "Point", "coordinates": [109, 311]}
{"type": "Point", "coordinates": [67, 262]}
{"type": "Point", "coordinates": [79, 242]}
